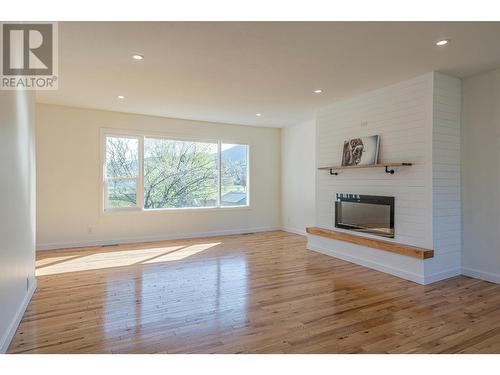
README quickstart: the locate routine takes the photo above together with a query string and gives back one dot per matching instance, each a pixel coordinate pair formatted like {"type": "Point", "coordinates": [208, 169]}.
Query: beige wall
{"type": "Point", "coordinates": [17, 209]}
{"type": "Point", "coordinates": [481, 176]}
{"type": "Point", "coordinates": [68, 163]}
{"type": "Point", "coordinates": [298, 176]}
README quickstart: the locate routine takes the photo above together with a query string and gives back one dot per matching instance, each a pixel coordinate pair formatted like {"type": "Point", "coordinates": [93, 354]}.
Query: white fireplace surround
{"type": "Point", "coordinates": [418, 121]}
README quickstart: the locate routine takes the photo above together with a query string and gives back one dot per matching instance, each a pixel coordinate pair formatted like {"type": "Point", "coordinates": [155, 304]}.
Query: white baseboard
{"type": "Point", "coordinates": [483, 275]}
{"type": "Point", "coordinates": [442, 275]}
{"type": "Point", "coordinates": [370, 264]}
{"type": "Point", "coordinates": [300, 232]}
{"type": "Point", "coordinates": [5, 341]}
{"type": "Point", "coordinates": [164, 237]}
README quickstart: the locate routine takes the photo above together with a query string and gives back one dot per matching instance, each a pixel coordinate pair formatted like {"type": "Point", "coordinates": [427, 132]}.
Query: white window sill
{"type": "Point", "coordinates": [134, 211]}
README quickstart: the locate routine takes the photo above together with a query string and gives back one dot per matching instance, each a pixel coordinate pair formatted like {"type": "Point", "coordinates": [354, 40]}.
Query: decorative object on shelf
{"type": "Point", "coordinates": [333, 170]}
{"type": "Point", "coordinates": [360, 151]}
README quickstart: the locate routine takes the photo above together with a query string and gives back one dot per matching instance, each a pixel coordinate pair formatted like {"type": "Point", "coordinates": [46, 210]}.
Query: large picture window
{"type": "Point", "coordinates": [144, 172]}
{"type": "Point", "coordinates": [180, 174]}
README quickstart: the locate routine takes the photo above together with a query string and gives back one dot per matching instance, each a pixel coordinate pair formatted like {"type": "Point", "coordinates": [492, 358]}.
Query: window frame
{"type": "Point", "coordinates": [141, 136]}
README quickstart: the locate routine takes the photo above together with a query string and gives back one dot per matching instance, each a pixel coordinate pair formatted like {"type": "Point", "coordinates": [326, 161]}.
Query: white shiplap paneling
{"type": "Point", "coordinates": [418, 121]}
{"type": "Point", "coordinates": [447, 226]}
{"type": "Point", "coordinates": [402, 115]}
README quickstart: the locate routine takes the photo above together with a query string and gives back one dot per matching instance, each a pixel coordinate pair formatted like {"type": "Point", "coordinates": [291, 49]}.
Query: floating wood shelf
{"type": "Point", "coordinates": [380, 165]}
{"type": "Point", "coordinates": [393, 247]}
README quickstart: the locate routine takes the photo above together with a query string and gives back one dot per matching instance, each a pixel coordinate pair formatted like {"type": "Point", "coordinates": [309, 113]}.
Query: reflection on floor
{"type": "Point", "coordinates": [259, 293]}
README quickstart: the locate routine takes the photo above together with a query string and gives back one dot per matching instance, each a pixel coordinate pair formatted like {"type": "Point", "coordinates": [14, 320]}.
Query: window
{"type": "Point", "coordinates": [121, 172]}
{"type": "Point", "coordinates": [147, 173]}
{"type": "Point", "coordinates": [233, 175]}
{"type": "Point", "coordinates": [180, 174]}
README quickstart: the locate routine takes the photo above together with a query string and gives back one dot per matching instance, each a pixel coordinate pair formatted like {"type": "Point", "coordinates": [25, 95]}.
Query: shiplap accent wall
{"type": "Point", "coordinates": [446, 200]}
{"type": "Point", "coordinates": [404, 115]}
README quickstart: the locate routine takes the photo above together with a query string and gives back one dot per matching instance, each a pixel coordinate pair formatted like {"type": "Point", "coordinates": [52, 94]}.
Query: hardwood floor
{"type": "Point", "coordinates": [258, 293]}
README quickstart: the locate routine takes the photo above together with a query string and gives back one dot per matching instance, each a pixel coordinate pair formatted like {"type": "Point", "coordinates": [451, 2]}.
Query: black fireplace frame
{"type": "Point", "coordinates": [372, 199]}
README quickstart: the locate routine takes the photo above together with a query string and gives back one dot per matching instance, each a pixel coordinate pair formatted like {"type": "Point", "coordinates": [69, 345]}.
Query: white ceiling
{"type": "Point", "coordinates": [229, 71]}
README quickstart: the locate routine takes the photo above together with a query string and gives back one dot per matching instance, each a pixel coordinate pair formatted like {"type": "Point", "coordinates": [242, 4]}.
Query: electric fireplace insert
{"type": "Point", "coordinates": [365, 213]}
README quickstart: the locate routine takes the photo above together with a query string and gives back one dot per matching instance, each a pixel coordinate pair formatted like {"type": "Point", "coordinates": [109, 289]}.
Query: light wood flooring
{"type": "Point", "coordinates": [257, 293]}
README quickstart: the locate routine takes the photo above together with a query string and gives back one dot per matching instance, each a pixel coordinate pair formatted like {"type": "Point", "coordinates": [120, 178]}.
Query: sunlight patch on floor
{"type": "Point", "coordinates": [110, 259]}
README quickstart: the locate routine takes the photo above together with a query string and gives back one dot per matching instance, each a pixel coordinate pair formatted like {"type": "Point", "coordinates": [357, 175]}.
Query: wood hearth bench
{"type": "Point", "coordinates": [393, 247]}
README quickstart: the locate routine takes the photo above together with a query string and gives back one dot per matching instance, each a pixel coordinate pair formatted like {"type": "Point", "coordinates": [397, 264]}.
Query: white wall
{"type": "Point", "coordinates": [404, 116]}
{"type": "Point", "coordinates": [68, 191]}
{"type": "Point", "coordinates": [298, 178]}
{"type": "Point", "coordinates": [446, 203]}
{"type": "Point", "coordinates": [481, 176]}
{"type": "Point", "coordinates": [17, 212]}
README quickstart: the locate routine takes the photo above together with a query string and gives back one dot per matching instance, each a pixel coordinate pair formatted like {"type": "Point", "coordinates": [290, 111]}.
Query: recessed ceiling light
{"type": "Point", "coordinates": [121, 97]}
{"type": "Point", "coordinates": [318, 91]}
{"type": "Point", "coordinates": [138, 57]}
{"type": "Point", "coordinates": [442, 42]}
{"type": "Point", "coordinates": [258, 114]}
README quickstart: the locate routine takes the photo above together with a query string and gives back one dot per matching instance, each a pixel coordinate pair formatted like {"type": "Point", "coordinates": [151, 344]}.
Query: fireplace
{"type": "Point", "coordinates": [365, 213]}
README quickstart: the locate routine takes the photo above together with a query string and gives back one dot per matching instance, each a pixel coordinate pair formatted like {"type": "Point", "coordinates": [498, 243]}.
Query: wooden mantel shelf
{"type": "Point", "coordinates": [393, 247]}
{"type": "Point", "coordinates": [379, 165]}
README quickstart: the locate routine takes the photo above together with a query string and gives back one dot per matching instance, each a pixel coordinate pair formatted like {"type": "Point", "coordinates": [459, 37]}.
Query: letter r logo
{"type": "Point", "coordinates": [27, 49]}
